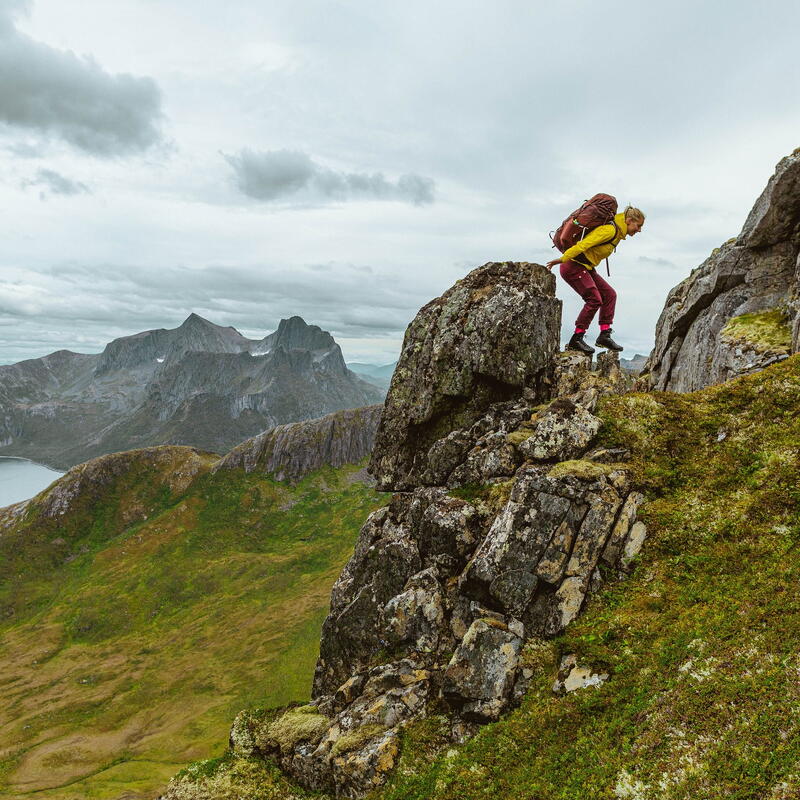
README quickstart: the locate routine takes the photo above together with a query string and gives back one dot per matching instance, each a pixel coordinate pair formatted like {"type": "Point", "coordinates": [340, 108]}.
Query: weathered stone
{"type": "Point", "coordinates": [480, 676]}
{"type": "Point", "coordinates": [449, 526]}
{"type": "Point", "coordinates": [494, 456]}
{"type": "Point", "coordinates": [489, 336]}
{"type": "Point", "coordinates": [571, 370]}
{"type": "Point", "coordinates": [572, 676]}
{"type": "Point", "coordinates": [242, 739]}
{"type": "Point", "coordinates": [754, 272]}
{"type": "Point", "coordinates": [563, 431]}
{"type": "Point", "coordinates": [360, 770]}
{"type": "Point", "coordinates": [386, 557]}
{"type": "Point", "coordinates": [416, 617]}
{"type": "Point", "coordinates": [633, 545]}
{"type": "Point", "coordinates": [608, 455]}
{"type": "Point", "coordinates": [594, 532]}
{"type": "Point", "coordinates": [567, 602]}
{"type": "Point", "coordinates": [619, 533]}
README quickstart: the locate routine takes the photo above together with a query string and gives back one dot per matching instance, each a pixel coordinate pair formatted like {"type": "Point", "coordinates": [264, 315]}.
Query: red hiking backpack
{"type": "Point", "coordinates": [596, 211]}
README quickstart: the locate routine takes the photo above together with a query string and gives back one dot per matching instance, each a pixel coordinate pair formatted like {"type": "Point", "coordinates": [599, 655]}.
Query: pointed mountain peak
{"type": "Point", "coordinates": [295, 333]}
{"type": "Point", "coordinates": [196, 321]}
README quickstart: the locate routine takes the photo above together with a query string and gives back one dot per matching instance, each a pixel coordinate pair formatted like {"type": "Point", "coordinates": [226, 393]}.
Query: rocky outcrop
{"type": "Point", "coordinates": [758, 271]}
{"type": "Point", "coordinates": [291, 451]}
{"type": "Point", "coordinates": [491, 335]}
{"type": "Point", "coordinates": [199, 384]}
{"type": "Point", "coordinates": [496, 537]}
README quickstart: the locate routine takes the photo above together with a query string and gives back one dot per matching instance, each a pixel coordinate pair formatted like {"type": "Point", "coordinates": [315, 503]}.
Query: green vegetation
{"type": "Point", "coordinates": [303, 724]}
{"type": "Point", "coordinates": [701, 642]}
{"type": "Point", "coordinates": [765, 331]}
{"type": "Point", "coordinates": [137, 625]}
{"type": "Point", "coordinates": [586, 470]}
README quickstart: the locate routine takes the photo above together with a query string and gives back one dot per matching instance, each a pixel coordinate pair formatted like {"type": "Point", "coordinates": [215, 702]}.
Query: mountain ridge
{"type": "Point", "coordinates": [199, 384]}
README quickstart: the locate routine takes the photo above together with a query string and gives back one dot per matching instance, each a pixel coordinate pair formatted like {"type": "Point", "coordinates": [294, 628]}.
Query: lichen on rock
{"type": "Point", "coordinates": [490, 335]}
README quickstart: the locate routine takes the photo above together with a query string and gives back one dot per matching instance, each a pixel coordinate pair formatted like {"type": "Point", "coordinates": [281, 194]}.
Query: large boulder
{"type": "Point", "coordinates": [493, 334]}
{"type": "Point", "coordinates": [747, 277]}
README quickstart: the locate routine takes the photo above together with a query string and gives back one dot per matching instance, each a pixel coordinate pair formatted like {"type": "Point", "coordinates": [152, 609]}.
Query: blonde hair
{"type": "Point", "coordinates": [631, 212]}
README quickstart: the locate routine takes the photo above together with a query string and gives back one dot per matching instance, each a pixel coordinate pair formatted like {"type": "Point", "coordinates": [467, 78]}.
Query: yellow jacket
{"type": "Point", "coordinates": [598, 244]}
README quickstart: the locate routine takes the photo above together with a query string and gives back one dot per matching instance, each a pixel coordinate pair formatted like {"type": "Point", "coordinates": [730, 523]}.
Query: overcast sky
{"type": "Point", "coordinates": [348, 161]}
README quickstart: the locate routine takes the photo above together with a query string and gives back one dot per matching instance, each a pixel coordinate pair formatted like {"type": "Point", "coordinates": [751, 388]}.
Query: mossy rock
{"type": "Point", "coordinates": [356, 739]}
{"type": "Point", "coordinates": [302, 724]}
{"type": "Point", "coordinates": [585, 470]}
{"type": "Point", "coordinates": [764, 331]}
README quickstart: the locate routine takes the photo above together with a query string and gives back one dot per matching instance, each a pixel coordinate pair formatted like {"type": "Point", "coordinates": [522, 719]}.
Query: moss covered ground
{"type": "Point", "coordinates": [134, 628]}
{"type": "Point", "coordinates": [702, 641]}
{"type": "Point", "coordinates": [764, 331]}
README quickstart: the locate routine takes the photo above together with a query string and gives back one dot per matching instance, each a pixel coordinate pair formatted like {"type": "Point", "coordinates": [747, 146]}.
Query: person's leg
{"type": "Point", "coordinates": [609, 297]}
{"type": "Point", "coordinates": [580, 279]}
{"type": "Point", "coordinates": [608, 300]}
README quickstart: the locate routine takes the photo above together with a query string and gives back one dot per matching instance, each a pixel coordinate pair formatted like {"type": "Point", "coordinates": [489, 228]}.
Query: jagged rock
{"type": "Point", "coordinates": [634, 542]}
{"type": "Point", "coordinates": [754, 272]}
{"type": "Point", "coordinates": [492, 457]}
{"type": "Point", "coordinates": [483, 341]}
{"type": "Point", "coordinates": [484, 547]}
{"type": "Point", "coordinates": [619, 534]}
{"type": "Point", "coordinates": [480, 675]}
{"type": "Point", "coordinates": [416, 616]}
{"type": "Point", "coordinates": [291, 451]}
{"type": "Point", "coordinates": [562, 431]}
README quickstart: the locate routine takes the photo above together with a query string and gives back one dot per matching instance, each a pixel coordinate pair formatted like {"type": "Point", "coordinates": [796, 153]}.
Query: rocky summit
{"type": "Point", "coordinates": [199, 384]}
{"type": "Point", "coordinates": [503, 519]}
{"type": "Point", "coordinates": [739, 311]}
{"type": "Point", "coordinates": [484, 340]}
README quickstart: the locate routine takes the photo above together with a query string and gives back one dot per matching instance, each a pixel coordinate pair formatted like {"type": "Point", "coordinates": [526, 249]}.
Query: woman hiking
{"type": "Point", "coordinates": [578, 269]}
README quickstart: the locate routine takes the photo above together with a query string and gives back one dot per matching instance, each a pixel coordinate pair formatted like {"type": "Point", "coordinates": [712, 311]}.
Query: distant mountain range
{"type": "Point", "coordinates": [634, 365]}
{"type": "Point", "coordinates": [377, 375]}
{"type": "Point", "coordinates": [200, 384]}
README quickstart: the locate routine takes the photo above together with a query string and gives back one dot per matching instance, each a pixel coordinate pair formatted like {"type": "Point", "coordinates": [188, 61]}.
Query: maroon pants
{"type": "Point", "coordinates": [596, 293]}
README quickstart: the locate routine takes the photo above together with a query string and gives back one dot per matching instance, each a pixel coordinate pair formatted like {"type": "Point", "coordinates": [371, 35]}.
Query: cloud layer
{"type": "Point", "coordinates": [53, 182]}
{"type": "Point", "coordinates": [281, 175]}
{"type": "Point", "coordinates": [59, 94]}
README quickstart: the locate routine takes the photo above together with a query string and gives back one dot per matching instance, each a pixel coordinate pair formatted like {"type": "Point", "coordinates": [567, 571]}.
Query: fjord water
{"type": "Point", "coordinates": [21, 479]}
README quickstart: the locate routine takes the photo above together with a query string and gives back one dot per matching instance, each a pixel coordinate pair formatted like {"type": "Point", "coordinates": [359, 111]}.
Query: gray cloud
{"type": "Point", "coordinates": [88, 305]}
{"type": "Point", "coordinates": [57, 93]}
{"type": "Point", "coordinates": [56, 183]}
{"type": "Point", "coordinates": [276, 175]}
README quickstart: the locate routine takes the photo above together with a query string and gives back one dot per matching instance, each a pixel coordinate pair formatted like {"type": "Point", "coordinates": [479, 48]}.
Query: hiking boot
{"type": "Point", "coordinates": [605, 340]}
{"type": "Point", "coordinates": [577, 343]}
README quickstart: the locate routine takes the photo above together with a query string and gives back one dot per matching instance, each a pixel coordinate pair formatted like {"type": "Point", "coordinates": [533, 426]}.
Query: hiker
{"type": "Point", "coordinates": [578, 269]}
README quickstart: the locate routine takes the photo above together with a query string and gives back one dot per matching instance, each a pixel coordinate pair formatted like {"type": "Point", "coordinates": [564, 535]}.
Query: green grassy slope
{"type": "Point", "coordinates": [702, 643]}
{"type": "Point", "coordinates": [135, 627]}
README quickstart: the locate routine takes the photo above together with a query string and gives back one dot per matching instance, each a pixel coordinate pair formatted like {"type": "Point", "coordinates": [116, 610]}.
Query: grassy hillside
{"type": "Point", "coordinates": [135, 626]}
{"type": "Point", "coordinates": [702, 642]}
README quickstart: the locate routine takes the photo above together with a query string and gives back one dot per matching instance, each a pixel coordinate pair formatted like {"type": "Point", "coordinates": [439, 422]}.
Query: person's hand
{"type": "Point", "coordinates": [551, 264]}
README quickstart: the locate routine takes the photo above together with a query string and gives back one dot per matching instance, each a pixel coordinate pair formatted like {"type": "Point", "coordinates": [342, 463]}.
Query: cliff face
{"type": "Point", "coordinates": [291, 451]}
{"type": "Point", "coordinates": [757, 272]}
{"type": "Point", "coordinates": [199, 384]}
{"type": "Point", "coordinates": [501, 518]}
